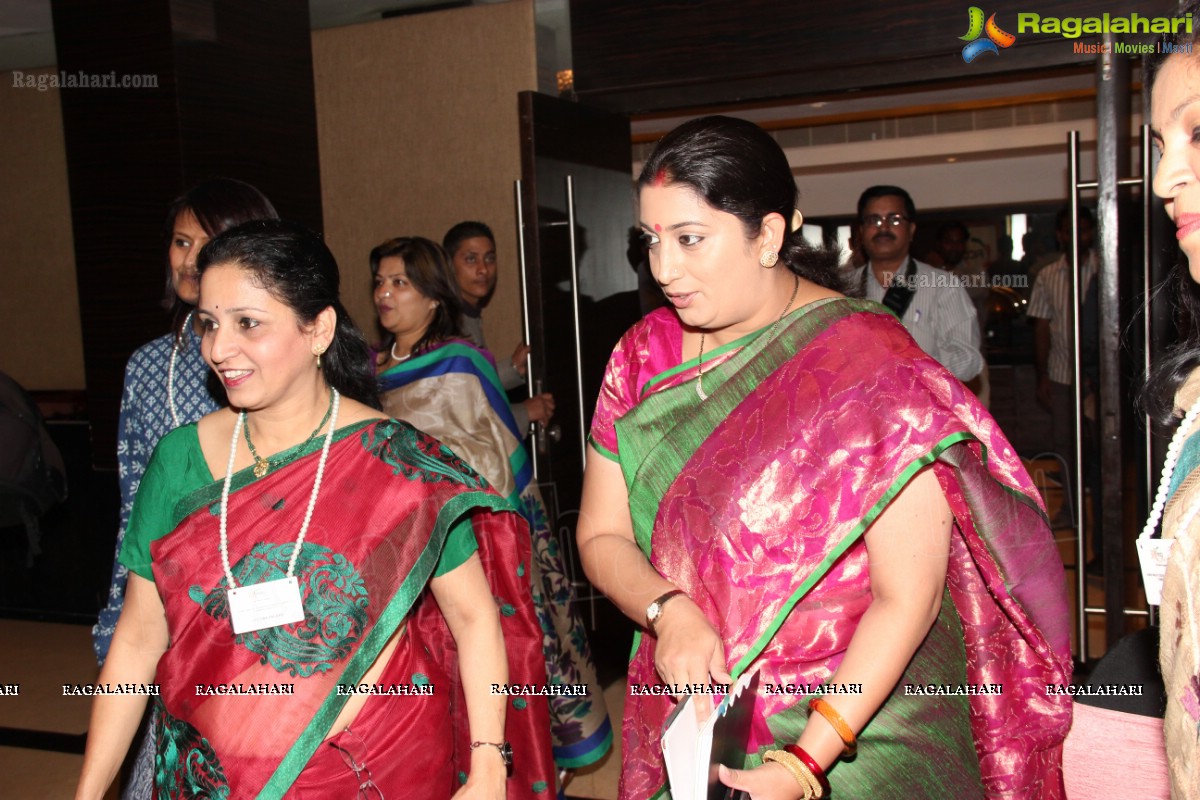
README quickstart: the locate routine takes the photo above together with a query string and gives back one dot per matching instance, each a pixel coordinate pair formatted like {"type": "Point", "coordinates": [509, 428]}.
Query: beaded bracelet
{"type": "Point", "coordinates": [835, 719]}
{"type": "Point", "coordinates": [808, 782]}
{"type": "Point", "coordinates": [810, 762]}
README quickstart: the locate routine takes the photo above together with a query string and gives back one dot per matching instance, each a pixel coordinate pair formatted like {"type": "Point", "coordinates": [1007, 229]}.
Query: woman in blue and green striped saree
{"type": "Point", "coordinates": [433, 378]}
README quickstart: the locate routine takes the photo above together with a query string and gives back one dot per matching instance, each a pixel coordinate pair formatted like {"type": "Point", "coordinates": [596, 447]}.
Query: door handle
{"type": "Point", "coordinates": [575, 316]}
{"type": "Point", "coordinates": [525, 330]}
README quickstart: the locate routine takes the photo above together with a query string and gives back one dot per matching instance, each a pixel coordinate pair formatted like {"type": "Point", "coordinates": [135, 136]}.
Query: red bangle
{"type": "Point", "coordinates": [810, 762]}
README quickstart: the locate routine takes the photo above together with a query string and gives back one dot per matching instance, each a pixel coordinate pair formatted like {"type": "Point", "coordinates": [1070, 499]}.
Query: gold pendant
{"type": "Point", "coordinates": [261, 465]}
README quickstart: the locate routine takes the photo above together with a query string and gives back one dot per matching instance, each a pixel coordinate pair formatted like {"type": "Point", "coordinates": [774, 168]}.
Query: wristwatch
{"type": "Point", "coordinates": [505, 751]}
{"type": "Point", "coordinates": [655, 609]}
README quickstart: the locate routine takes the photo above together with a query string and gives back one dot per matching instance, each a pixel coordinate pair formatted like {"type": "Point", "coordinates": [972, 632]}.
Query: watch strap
{"type": "Point", "coordinates": [657, 605]}
{"type": "Point", "coordinates": [504, 747]}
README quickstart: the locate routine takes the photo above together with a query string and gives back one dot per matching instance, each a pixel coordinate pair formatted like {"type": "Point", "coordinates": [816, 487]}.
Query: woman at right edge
{"type": "Point", "coordinates": [780, 478]}
{"type": "Point", "coordinates": [1173, 391]}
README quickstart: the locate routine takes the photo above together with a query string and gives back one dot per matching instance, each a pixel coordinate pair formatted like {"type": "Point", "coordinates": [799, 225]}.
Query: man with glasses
{"type": "Point", "coordinates": [930, 302]}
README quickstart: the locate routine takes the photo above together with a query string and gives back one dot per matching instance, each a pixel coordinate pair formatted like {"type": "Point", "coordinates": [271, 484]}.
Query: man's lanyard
{"type": "Point", "coordinates": [900, 294]}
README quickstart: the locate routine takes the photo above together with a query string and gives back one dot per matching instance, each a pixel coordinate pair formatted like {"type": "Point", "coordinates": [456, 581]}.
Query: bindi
{"type": "Point", "coordinates": [657, 228]}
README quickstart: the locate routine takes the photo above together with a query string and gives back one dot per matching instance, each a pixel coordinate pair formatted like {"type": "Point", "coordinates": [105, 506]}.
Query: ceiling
{"type": "Point", "coordinates": [27, 41]}
{"type": "Point", "coordinates": [27, 26]}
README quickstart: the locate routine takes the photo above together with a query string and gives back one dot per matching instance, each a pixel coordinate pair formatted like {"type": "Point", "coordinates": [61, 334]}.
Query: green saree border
{"type": "Point", "coordinates": [389, 621]}
{"type": "Point", "coordinates": [450, 349]}
{"type": "Point", "coordinates": [602, 450]}
{"type": "Point", "coordinates": [211, 492]}
{"type": "Point", "coordinates": [695, 362]}
{"type": "Point", "coordinates": [822, 568]}
{"type": "Point", "coordinates": [733, 380]}
{"type": "Point", "coordinates": [819, 572]}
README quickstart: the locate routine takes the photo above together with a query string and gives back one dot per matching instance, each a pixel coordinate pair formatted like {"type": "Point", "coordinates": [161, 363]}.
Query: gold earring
{"type": "Point", "coordinates": [318, 353]}
{"type": "Point", "coordinates": [769, 259]}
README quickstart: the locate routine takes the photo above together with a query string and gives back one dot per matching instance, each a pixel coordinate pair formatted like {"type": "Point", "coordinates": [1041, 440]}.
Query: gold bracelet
{"type": "Point", "coordinates": [802, 774]}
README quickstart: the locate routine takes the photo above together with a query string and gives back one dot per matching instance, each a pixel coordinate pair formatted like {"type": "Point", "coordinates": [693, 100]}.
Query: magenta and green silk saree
{"type": "Point", "coordinates": [755, 502]}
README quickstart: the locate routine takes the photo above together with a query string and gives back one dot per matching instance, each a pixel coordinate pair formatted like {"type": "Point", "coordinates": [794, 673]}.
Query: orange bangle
{"type": "Point", "coordinates": [835, 719]}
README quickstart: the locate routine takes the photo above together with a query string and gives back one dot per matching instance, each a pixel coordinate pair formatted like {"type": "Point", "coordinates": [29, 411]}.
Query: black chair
{"type": "Point", "coordinates": [32, 472]}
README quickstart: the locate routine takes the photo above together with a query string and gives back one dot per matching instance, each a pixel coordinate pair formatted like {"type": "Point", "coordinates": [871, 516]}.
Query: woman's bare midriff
{"type": "Point", "coordinates": [357, 701]}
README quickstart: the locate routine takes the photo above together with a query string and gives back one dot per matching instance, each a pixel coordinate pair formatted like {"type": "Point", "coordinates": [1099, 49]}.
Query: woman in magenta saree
{"type": "Point", "coordinates": [349, 681]}
{"type": "Point", "coordinates": [754, 486]}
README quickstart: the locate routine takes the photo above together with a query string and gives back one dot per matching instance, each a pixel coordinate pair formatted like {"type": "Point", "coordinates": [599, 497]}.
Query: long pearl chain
{"type": "Point", "coordinates": [1160, 502]}
{"type": "Point", "coordinates": [183, 331]}
{"type": "Point", "coordinates": [312, 500]}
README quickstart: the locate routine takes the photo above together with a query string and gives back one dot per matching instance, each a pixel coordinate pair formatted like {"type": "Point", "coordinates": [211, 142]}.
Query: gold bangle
{"type": "Point", "coordinates": [844, 731]}
{"type": "Point", "coordinates": [801, 773]}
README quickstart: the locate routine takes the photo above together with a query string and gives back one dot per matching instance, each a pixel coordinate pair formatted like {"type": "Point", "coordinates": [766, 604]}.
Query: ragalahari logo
{"type": "Point", "coordinates": [996, 38]}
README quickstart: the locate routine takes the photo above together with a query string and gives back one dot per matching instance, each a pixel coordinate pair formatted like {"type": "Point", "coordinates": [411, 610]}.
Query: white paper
{"type": "Point", "coordinates": [687, 742]}
{"type": "Point", "coordinates": [265, 605]}
{"type": "Point", "coordinates": [682, 743]}
{"type": "Point", "coordinates": [1153, 555]}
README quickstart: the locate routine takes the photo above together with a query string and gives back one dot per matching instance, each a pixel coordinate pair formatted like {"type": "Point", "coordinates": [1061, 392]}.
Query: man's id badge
{"type": "Point", "coordinates": [265, 605]}
{"type": "Point", "coordinates": [1153, 554]}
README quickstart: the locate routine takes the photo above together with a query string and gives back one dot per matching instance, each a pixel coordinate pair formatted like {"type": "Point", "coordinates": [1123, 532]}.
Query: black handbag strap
{"type": "Point", "coordinates": [900, 294]}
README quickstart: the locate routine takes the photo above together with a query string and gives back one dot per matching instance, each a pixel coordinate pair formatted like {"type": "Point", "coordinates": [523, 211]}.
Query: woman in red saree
{"type": "Point", "coordinates": [371, 557]}
{"type": "Point", "coordinates": [781, 479]}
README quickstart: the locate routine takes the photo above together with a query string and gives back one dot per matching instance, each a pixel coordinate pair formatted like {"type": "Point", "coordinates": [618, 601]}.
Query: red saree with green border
{"type": "Point", "coordinates": [755, 502]}
{"type": "Point", "coordinates": [390, 498]}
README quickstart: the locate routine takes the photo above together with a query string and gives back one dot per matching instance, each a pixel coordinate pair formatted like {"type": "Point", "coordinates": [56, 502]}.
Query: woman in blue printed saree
{"type": "Point", "coordinates": [356, 562]}
{"type": "Point", "coordinates": [813, 496]}
{"type": "Point", "coordinates": [165, 385]}
{"type": "Point", "coordinates": [432, 377]}
{"type": "Point", "coordinates": [165, 378]}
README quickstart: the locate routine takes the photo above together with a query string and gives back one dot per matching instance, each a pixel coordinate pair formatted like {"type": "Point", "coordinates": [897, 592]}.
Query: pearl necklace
{"type": "Point", "coordinates": [312, 500]}
{"type": "Point", "coordinates": [187, 323]}
{"type": "Point", "coordinates": [770, 335]}
{"type": "Point", "coordinates": [399, 358]}
{"type": "Point", "coordinates": [1160, 502]}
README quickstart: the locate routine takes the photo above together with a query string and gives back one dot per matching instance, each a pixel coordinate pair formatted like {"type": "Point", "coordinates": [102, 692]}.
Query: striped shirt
{"type": "Point", "coordinates": [1051, 300]}
{"type": "Point", "coordinates": [941, 317]}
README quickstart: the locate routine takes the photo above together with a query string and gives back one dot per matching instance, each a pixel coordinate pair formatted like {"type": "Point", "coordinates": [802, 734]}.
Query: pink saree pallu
{"type": "Point", "coordinates": [755, 502]}
{"type": "Point", "coordinates": [246, 716]}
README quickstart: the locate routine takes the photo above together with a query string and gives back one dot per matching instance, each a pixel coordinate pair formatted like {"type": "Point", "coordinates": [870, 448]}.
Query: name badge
{"type": "Point", "coordinates": [1153, 555]}
{"type": "Point", "coordinates": [265, 605]}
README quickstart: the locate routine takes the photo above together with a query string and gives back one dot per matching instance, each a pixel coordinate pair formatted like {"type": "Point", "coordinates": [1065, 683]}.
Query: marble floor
{"type": "Point", "coordinates": [42, 732]}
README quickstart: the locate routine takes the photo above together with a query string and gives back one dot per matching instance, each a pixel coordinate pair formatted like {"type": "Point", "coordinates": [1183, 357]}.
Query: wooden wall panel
{"type": "Point", "coordinates": [630, 55]}
{"type": "Point", "coordinates": [232, 96]}
{"type": "Point", "coordinates": [418, 130]}
{"type": "Point", "coordinates": [40, 339]}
